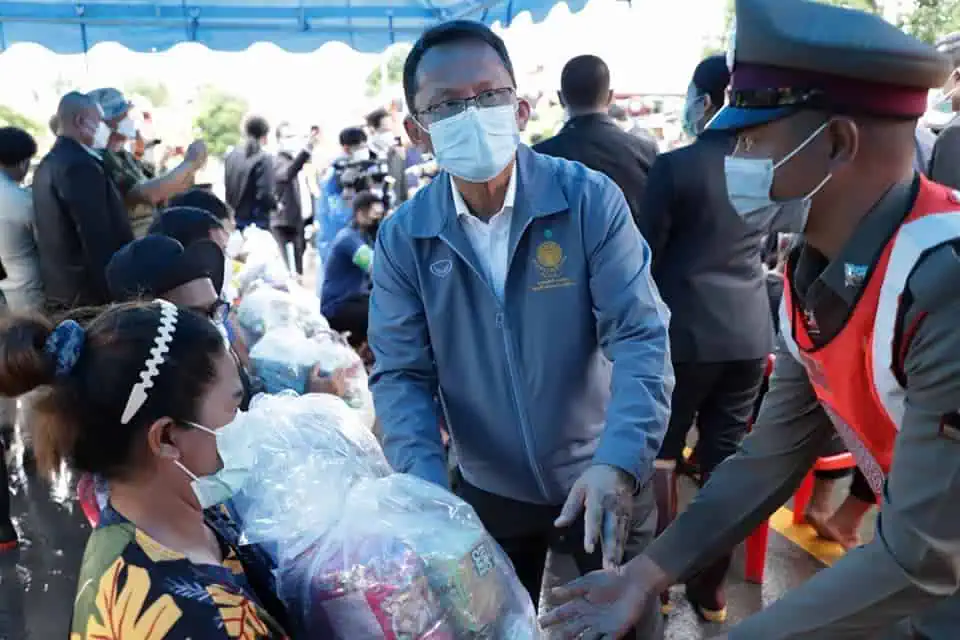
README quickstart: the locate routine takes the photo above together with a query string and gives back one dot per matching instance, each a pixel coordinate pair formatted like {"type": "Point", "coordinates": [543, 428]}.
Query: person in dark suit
{"type": "Point", "coordinates": [590, 136]}
{"type": "Point", "coordinates": [945, 160]}
{"type": "Point", "coordinates": [81, 220]}
{"type": "Point", "coordinates": [249, 177]}
{"type": "Point", "coordinates": [706, 263]}
{"type": "Point", "coordinates": [286, 221]}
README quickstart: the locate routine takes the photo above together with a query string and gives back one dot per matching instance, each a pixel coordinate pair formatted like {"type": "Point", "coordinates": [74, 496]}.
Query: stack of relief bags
{"type": "Point", "coordinates": [362, 552]}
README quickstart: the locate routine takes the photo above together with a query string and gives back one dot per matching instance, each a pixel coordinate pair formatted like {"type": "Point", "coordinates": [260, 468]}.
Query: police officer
{"type": "Point", "coordinates": [825, 101]}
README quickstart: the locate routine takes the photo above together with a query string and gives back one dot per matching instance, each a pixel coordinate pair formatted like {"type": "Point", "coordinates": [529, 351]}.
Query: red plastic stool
{"type": "Point", "coordinates": [756, 545]}
{"type": "Point", "coordinates": [839, 462]}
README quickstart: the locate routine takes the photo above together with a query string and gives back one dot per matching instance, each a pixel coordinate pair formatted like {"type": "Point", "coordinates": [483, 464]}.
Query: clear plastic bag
{"type": "Point", "coordinates": [264, 308]}
{"type": "Point", "coordinates": [300, 456]}
{"type": "Point", "coordinates": [283, 359]}
{"type": "Point", "coordinates": [406, 560]}
{"type": "Point", "coordinates": [362, 553]}
{"type": "Point", "coordinates": [336, 353]}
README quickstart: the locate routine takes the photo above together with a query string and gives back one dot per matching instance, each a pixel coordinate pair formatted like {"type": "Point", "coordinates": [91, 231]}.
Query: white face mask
{"type": "Point", "coordinates": [221, 486]}
{"type": "Point", "coordinates": [101, 136]}
{"type": "Point", "coordinates": [478, 144]}
{"type": "Point", "coordinates": [127, 128]}
{"type": "Point", "coordinates": [749, 183]}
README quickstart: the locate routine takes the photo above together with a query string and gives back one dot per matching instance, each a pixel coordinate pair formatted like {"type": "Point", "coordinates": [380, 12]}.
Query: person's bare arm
{"type": "Point", "coordinates": [162, 188]}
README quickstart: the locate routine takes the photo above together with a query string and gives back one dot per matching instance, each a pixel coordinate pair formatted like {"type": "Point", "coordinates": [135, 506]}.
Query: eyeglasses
{"type": "Point", "coordinates": [483, 100]}
{"type": "Point", "coordinates": [218, 311]}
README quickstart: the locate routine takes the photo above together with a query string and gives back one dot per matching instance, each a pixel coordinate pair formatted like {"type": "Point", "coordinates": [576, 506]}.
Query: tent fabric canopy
{"type": "Point", "coordinates": [234, 25]}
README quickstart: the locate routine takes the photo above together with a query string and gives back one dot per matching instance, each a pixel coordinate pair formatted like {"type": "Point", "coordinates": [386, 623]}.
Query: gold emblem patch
{"type": "Point", "coordinates": [549, 260]}
{"type": "Point", "coordinates": [549, 255]}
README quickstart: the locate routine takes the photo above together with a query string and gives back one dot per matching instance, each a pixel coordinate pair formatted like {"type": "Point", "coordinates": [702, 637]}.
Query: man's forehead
{"type": "Point", "coordinates": [458, 64]}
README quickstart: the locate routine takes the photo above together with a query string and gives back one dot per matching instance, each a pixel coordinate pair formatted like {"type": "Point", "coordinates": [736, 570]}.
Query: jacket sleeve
{"type": "Point", "coordinates": [657, 206]}
{"type": "Point", "coordinates": [791, 431]}
{"type": "Point", "coordinates": [404, 380]}
{"type": "Point", "coordinates": [632, 328]}
{"type": "Point", "coordinates": [913, 562]}
{"type": "Point", "coordinates": [265, 184]}
{"type": "Point", "coordinates": [944, 167]}
{"type": "Point", "coordinates": [85, 198]}
{"type": "Point", "coordinates": [287, 170]}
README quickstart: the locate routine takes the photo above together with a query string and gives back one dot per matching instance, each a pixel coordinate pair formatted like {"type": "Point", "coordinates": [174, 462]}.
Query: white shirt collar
{"type": "Point", "coordinates": [461, 206]}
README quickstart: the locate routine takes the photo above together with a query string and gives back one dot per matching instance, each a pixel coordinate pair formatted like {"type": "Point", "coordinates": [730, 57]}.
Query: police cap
{"type": "Point", "coordinates": [788, 55]}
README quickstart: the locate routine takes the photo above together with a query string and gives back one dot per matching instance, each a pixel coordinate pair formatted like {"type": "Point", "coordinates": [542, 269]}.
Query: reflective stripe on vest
{"type": "Point", "coordinates": [862, 395]}
{"type": "Point", "coordinates": [913, 240]}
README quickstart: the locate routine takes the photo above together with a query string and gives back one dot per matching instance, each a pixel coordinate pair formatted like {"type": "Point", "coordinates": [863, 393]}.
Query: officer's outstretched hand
{"type": "Point", "coordinates": [605, 495]}
{"type": "Point", "coordinates": [603, 604]}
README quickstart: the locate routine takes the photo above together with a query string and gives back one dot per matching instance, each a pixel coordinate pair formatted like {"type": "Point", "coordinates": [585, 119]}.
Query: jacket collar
{"type": "Point", "coordinates": [539, 193]}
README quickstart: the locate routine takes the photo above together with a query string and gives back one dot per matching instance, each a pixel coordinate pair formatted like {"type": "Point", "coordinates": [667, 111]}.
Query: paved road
{"type": "Point", "coordinates": [38, 580]}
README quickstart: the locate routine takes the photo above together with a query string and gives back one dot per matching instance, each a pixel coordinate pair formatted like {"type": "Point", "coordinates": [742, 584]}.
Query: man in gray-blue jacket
{"type": "Point", "coordinates": [516, 289]}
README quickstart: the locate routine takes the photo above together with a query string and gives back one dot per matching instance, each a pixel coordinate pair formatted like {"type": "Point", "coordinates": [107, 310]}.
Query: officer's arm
{"type": "Point", "coordinates": [404, 379]}
{"type": "Point", "coordinates": [791, 431]}
{"type": "Point", "coordinates": [914, 560]}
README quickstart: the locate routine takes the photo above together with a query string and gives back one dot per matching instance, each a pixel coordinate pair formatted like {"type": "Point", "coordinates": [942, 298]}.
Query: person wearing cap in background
{"type": "Point", "coordinates": [945, 159]}
{"type": "Point", "coordinates": [825, 101]}
{"type": "Point", "coordinates": [187, 225]}
{"type": "Point", "coordinates": [141, 190]}
{"type": "Point", "coordinates": [590, 136]}
{"type": "Point", "coordinates": [707, 266]}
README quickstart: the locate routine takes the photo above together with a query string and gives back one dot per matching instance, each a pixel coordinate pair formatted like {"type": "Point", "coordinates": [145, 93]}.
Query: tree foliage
{"type": "Point", "coordinates": [933, 19]}
{"type": "Point", "coordinates": [156, 92]}
{"type": "Point", "coordinates": [12, 118]}
{"type": "Point", "coordinates": [220, 120]}
{"type": "Point", "coordinates": [394, 72]}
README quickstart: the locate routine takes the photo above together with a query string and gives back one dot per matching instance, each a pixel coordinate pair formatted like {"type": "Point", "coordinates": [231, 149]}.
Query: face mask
{"type": "Point", "coordinates": [749, 182]}
{"type": "Point", "coordinates": [944, 96]}
{"type": "Point", "coordinates": [221, 486]}
{"type": "Point", "coordinates": [101, 136]}
{"type": "Point", "coordinates": [127, 128]}
{"type": "Point", "coordinates": [478, 144]}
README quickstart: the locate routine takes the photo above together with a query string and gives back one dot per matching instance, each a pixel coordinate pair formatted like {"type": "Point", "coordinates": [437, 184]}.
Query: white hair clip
{"type": "Point", "coordinates": [161, 346]}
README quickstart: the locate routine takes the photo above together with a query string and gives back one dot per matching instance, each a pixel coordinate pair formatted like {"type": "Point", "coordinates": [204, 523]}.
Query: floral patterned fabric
{"type": "Point", "coordinates": [133, 588]}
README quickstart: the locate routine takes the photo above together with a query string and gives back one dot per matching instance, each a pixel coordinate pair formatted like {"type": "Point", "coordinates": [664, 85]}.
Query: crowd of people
{"type": "Point", "coordinates": [543, 328]}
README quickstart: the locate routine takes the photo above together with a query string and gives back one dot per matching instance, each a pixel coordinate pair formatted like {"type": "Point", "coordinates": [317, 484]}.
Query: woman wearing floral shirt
{"type": "Point", "coordinates": [137, 397]}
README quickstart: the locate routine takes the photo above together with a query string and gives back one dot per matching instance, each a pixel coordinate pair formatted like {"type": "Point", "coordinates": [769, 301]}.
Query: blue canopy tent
{"type": "Point", "coordinates": [234, 25]}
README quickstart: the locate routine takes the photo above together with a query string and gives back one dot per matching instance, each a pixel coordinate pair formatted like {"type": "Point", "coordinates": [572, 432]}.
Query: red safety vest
{"type": "Point", "coordinates": [854, 374]}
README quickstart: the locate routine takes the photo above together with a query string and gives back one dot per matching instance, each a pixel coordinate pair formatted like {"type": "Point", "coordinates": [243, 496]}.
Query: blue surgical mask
{"type": "Point", "coordinates": [219, 487]}
{"type": "Point", "coordinates": [478, 144]}
{"type": "Point", "coordinates": [749, 183]}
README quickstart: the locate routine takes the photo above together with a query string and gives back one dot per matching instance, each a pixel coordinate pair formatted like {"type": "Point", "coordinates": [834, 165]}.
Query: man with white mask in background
{"type": "Point", "coordinates": [514, 292]}
{"type": "Point", "coordinates": [81, 220]}
{"type": "Point", "coordinates": [142, 191]}
{"type": "Point", "coordinates": [945, 161]}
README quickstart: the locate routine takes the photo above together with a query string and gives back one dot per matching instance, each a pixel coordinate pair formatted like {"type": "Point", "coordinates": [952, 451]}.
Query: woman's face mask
{"type": "Point", "coordinates": [749, 186]}
{"type": "Point", "coordinates": [221, 486]}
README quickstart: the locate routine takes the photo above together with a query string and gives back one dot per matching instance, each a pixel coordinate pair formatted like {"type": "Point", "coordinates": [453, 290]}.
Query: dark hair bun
{"type": "Point", "coordinates": [24, 363]}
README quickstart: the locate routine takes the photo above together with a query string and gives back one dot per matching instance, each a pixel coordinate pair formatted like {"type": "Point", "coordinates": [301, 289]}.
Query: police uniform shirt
{"type": "Point", "coordinates": [827, 292]}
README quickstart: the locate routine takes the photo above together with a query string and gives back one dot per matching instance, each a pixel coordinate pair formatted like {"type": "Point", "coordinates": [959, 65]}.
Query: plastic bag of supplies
{"type": "Point", "coordinates": [363, 553]}
{"type": "Point", "coordinates": [264, 308]}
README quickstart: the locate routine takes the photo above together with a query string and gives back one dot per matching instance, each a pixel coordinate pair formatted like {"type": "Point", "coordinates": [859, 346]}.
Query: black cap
{"type": "Point", "coordinates": [186, 225]}
{"type": "Point", "coordinates": [712, 75]}
{"type": "Point", "coordinates": [155, 264]}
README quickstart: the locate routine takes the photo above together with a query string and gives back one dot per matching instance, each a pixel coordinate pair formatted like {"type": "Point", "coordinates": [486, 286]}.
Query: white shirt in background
{"type": "Point", "coordinates": [491, 239]}
{"type": "Point", "coordinates": [22, 288]}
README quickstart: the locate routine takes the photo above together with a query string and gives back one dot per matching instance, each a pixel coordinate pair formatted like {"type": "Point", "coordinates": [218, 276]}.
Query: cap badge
{"type": "Point", "coordinates": [854, 275]}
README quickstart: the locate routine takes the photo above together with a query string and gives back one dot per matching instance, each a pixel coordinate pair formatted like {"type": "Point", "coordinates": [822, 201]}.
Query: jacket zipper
{"type": "Point", "coordinates": [502, 325]}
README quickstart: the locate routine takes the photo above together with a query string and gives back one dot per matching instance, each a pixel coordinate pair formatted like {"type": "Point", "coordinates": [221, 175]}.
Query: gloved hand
{"type": "Point", "coordinates": [605, 495]}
